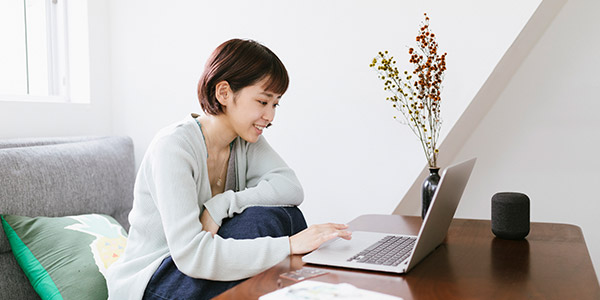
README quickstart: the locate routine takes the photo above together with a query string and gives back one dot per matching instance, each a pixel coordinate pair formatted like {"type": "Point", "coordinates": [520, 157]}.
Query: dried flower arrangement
{"type": "Point", "coordinates": [417, 94]}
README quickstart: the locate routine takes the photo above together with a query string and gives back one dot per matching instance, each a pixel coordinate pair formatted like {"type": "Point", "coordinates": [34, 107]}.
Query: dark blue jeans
{"type": "Point", "coordinates": [169, 283]}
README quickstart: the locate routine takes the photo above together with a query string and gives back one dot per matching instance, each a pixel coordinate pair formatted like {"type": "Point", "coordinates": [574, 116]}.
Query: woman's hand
{"type": "Point", "coordinates": [208, 224]}
{"type": "Point", "coordinates": [312, 237]}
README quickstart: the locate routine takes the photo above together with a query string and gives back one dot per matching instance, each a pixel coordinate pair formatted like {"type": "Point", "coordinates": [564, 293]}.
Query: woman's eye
{"type": "Point", "coordinates": [263, 102]}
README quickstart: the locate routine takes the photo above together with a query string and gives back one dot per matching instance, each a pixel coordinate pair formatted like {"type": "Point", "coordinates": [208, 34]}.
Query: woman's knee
{"type": "Point", "coordinates": [261, 221]}
{"type": "Point", "coordinates": [298, 223]}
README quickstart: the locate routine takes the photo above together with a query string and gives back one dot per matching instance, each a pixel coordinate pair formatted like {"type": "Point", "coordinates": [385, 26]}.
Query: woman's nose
{"type": "Point", "coordinates": [269, 114]}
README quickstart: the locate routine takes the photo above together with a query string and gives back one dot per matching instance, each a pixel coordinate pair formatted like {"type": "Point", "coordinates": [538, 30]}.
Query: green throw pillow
{"type": "Point", "coordinates": [66, 257]}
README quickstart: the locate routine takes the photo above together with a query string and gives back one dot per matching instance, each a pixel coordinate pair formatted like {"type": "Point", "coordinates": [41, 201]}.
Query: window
{"type": "Point", "coordinates": [44, 54]}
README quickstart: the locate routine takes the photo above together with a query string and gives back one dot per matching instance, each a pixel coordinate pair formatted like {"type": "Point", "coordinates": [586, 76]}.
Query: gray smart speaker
{"type": "Point", "coordinates": [510, 215]}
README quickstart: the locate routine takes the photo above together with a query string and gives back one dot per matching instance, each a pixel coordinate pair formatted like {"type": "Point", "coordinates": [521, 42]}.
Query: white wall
{"type": "Point", "coordinates": [541, 138]}
{"type": "Point", "coordinates": [334, 126]}
{"type": "Point", "coordinates": [31, 119]}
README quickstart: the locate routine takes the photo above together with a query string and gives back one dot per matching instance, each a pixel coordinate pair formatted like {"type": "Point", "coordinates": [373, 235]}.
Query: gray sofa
{"type": "Point", "coordinates": [61, 177]}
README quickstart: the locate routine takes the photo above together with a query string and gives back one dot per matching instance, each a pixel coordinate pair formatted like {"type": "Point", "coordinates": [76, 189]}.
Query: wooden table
{"type": "Point", "coordinates": [551, 263]}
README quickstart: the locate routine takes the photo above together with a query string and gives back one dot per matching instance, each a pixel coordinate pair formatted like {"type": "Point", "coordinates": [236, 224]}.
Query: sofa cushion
{"type": "Point", "coordinates": [66, 257]}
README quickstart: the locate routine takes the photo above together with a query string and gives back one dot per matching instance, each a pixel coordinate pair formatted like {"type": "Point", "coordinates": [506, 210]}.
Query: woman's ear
{"type": "Point", "coordinates": [223, 92]}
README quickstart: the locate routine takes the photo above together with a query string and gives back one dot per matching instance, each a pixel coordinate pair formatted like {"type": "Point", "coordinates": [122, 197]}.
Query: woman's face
{"type": "Point", "coordinates": [252, 110]}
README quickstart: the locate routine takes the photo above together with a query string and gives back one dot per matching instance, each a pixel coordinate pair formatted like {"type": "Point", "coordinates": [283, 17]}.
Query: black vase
{"type": "Point", "coordinates": [429, 186]}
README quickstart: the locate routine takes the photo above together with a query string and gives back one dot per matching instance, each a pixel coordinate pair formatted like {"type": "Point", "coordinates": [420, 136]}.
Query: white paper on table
{"type": "Point", "coordinates": [310, 289]}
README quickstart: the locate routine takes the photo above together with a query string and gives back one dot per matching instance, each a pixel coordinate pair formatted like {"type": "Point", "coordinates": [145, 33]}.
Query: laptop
{"type": "Point", "coordinates": [399, 253]}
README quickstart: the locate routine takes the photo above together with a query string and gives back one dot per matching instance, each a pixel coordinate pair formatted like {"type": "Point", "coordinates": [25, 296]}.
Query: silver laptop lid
{"type": "Point", "coordinates": [441, 211]}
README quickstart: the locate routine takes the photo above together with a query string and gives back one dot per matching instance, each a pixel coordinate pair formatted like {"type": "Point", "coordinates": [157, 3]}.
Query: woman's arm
{"type": "Point", "coordinates": [268, 182]}
{"type": "Point", "coordinates": [170, 174]}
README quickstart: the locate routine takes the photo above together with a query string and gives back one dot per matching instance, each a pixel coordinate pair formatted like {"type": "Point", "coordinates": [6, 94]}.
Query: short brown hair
{"type": "Point", "coordinates": [241, 63]}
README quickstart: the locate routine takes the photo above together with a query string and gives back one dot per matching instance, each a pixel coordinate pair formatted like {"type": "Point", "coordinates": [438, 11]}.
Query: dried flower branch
{"type": "Point", "coordinates": [417, 95]}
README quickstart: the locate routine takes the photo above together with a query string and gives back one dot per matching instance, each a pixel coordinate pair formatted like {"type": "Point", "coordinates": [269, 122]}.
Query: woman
{"type": "Point", "coordinates": [213, 202]}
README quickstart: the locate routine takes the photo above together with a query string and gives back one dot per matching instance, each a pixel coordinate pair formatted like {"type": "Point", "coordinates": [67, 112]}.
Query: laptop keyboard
{"type": "Point", "coordinates": [389, 251]}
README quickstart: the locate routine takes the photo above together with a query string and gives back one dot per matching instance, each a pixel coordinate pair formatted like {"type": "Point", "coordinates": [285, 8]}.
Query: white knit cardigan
{"type": "Point", "coordinates": [172, 189]}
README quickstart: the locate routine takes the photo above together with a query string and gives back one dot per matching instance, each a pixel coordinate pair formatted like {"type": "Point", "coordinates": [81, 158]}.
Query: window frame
{"type": "Point", "coordinates": [58, 58]}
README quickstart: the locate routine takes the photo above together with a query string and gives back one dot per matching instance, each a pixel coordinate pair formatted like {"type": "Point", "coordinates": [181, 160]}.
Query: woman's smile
{"type": "Point", "coordinates": [260, 128]}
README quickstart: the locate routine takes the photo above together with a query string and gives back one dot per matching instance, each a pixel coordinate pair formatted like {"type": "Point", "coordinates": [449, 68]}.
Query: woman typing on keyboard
{"type": "Point", "coordinates": [213, 202]}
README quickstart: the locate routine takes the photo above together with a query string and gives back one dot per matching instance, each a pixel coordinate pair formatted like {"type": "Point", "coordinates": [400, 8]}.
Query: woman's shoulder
{"type": "Point", "coordinates": [185, 127]}
{"type": "Point", "coordinates": [184, 134]}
